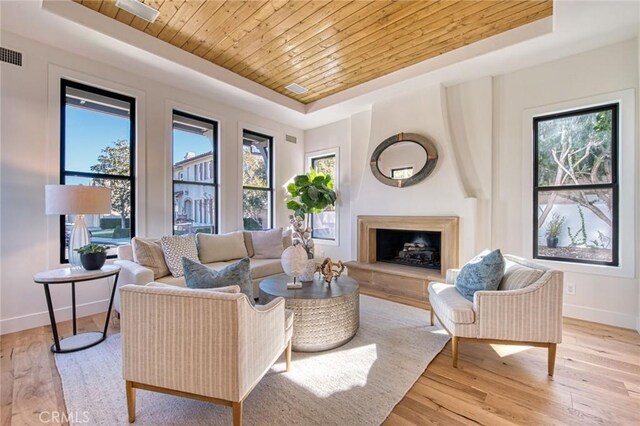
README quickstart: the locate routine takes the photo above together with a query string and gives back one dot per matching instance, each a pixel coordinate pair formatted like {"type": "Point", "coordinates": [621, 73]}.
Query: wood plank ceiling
{"type": "Point", "coordinates": [325, 46]}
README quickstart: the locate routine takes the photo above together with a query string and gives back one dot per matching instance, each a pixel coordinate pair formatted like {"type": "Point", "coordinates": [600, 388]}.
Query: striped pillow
{"type": "Point", "coordinates": [518, 276]}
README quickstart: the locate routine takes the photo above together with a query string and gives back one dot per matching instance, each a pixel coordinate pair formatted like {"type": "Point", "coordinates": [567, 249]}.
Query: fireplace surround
{"type": "Point", "coordinates": [429, 243]}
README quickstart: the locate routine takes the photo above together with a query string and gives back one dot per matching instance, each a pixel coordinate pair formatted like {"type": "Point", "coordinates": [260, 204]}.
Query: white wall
{"type": "Point", "coordinates": [29, 155]}
{"type": "Point", "coordinates": [600, 295]}
{"type": "Point", "coordinates": [484, 148]}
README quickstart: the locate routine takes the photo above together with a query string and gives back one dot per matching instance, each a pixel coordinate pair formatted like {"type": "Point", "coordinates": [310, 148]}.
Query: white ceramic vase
{"type": "Point", "coordinates": [294, 260]}
{"type": "Point", "coordinates": [309, 270]}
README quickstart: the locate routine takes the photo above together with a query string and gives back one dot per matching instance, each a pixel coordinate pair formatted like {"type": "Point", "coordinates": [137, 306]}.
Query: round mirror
{"type": "Point", "coordinates": [404, 159]}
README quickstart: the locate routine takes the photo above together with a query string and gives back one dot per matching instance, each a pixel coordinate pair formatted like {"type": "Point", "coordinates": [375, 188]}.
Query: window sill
{"type": "Point", "coordinates": [621, 271]}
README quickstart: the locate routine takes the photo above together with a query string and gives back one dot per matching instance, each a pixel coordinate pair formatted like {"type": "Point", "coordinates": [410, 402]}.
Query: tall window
{"type": "Point", "coordinates": [97, 140]}
{"type": "Point", "coordinates": [323, 225]}
{"type": "Point", "coordinates": [257, 180]}
{"type": "Point", "coordinates": [576, 186]}
{"type": "Point", "coordinates": [195, 189]}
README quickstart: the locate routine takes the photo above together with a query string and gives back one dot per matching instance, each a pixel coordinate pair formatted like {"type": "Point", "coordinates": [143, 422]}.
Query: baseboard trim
{"type": "Point", "coordinates": [38, 319]}
{"type": "Point", "coordinates": [601, 316]}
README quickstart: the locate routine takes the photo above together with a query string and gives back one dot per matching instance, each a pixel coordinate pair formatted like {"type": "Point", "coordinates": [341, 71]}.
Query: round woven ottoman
{"type": "Point", "coordinates": [324, 317]}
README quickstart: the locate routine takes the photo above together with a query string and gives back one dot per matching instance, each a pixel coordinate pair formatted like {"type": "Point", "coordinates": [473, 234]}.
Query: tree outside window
{"type": "Point", "coordinates": [576, 186]}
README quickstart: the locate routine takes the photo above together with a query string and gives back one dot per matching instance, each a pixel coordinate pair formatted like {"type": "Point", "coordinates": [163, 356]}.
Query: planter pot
{"type": "Point", "coordinates": [309, 271]}
{"type": "Point", "coordinates": [93, 261]}
{"type": "Point", "coordinates": [552, 242]}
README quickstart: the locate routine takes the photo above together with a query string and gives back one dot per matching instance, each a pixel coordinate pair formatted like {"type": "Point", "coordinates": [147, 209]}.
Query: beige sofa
{"type": "Point", "coordinates": [134, 273]}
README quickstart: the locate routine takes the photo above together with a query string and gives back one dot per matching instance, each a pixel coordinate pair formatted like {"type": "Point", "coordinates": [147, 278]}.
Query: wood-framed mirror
{"type": "Point", "coordinates": [404, 159]}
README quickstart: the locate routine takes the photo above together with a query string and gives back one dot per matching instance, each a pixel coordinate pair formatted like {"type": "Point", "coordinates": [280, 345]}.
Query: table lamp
{"type": "Point", "coordinates": [77, 200]}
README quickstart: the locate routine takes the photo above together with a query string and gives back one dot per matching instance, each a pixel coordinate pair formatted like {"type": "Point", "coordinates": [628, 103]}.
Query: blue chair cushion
{"type": "Point", "coordinates": [197, 275]}
{"type": "Point", "coordinates": [483, 272]}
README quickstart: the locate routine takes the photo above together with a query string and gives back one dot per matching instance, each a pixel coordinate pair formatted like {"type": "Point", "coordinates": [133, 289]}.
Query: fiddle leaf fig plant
{"type": "Point", "coordinates": [310, 193]}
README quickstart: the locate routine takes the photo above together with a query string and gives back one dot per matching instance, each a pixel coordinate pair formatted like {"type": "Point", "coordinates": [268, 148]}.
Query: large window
{"type": "Point", "coordinates": [257, 180]}
{"type": "Point", "coordinates": [97, 140]}
{"type": "Point", "coordinates": [576, 186]}
{"type": "Point", "coordinates": [323, 224]}
{"type": "Point", "coordinates": [195, 190]}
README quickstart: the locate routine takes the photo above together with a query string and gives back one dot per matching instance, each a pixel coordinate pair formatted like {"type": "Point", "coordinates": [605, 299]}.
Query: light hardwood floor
{"type": "Point", "coordinates": [597, 380]}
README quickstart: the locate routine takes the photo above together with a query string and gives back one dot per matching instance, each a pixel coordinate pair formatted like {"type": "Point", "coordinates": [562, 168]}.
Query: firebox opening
{"type": "Point", "coordinates": [411, 248]}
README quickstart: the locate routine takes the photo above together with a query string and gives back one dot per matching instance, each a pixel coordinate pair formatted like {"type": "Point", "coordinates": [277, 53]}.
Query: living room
{"type": "Point", "coordinates": [471, 106]}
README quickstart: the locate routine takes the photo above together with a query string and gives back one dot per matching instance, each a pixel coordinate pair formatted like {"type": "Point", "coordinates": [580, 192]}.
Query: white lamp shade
{"type": "Point", "coordinates": [77, 199]}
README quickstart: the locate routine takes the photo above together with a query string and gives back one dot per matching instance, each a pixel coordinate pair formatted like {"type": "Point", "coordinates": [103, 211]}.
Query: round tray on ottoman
{"type": "Point", "coordinates": [324, 317]}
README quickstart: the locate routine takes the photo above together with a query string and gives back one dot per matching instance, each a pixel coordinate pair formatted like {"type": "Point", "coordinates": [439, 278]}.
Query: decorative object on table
{"type": "Point", "coordinates": [294, 260]}
{"type": "Point", "coordinates": [72, 276]}
{"type": "Point", "coordinates": [553, 229]}
{"type": "Point", "coordinates": [92, 256]}
{"type": "Point", "coordinates": [77, 200]}
{"type": "Point", "coordinates": [301, 235]}
{"type": "Point", "coordinates": [404, 159]}
{"type": "Point", "coordinates": [330, 270]}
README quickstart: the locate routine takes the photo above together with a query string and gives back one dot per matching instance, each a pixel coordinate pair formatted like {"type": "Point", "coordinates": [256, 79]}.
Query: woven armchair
{"type": "Point", "coordinates": [525, 310]}
{"type": "Point", "coordinates": [202, 344]}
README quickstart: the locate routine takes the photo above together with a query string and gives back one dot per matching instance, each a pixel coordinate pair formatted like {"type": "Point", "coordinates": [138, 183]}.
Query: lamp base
{"type": "Point", "coordinates": [79, 237]}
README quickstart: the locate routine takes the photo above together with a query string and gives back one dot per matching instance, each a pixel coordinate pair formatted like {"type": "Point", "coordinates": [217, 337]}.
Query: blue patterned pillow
{"type": "Point", "coordinates": [483, 272]}
{"type": "Point", "coordinates": [197, 275]}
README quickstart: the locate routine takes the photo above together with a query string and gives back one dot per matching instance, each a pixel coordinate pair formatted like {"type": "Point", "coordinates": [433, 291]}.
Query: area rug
{"type": "Point", "coordinates": [356, 384]}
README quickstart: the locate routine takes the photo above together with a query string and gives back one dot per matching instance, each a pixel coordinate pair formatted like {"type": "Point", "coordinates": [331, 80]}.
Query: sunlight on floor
{"type": "Point", "coordinates": [506, 350]}
{"type": "Point", "coordinates": [440, 331]}
{"type": "Point", "coordinates": [308, 370]}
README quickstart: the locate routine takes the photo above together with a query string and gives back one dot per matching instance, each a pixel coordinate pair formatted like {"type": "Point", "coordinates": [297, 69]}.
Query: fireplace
{"type": "Point", "coordinates": [408, 247]}
{"type": "Point", "coordinates": [401, 254]}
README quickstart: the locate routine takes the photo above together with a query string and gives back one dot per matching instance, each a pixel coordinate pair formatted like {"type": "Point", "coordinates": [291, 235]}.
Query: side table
{"type": "Point", "coordinates": [72, 276]}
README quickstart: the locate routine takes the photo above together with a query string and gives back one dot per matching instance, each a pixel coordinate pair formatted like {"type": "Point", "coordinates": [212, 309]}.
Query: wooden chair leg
{"type": "Point", "coordinates": [551, 362]}
{"type": "Point", "coordinates": [237, 413]}
{"type": "Point", "coordinates": [287, 356]}
{"type": "Point", "coordinates": [454, 351]}
{"type": "Point", "coordinates": [131, 401]}
{"type": "Point", "coordinates": [433, 317]}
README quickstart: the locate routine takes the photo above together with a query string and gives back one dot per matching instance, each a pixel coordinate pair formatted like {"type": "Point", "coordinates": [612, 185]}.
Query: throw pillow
{"type": "Point", "coordinates": [148, 253]}
{"type": "Point", "coordinates": [218, 248]}
{"type": "Point", "coordinates": [287, 241]}
{"type": "Point", "coordinates": [518, 276]}
{"type": "Point", "coordinates": [483, 272]}
{"type": "Point", "coordinates": [267, 244]}
{"type": "Point", "coordinates": [200, 276]}
{"type": "Point", "coordinates": [176, 247]}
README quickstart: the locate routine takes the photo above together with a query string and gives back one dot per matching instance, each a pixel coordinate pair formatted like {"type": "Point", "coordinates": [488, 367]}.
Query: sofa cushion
{"type": "Point", "coordinates": [200, 276]}
{"type": "Point", "coordinates": [261, 268]}
{"type": "Point", "coordinates": [217, 248]}
{"type": "Point", "coordinates": [148, 253]}
{"type": "Point", "coordinates": [447, 302]}
{"type": "Point", "coordinates": [482, 273]}
{"type": "Point", "coordinates": [267, 244]}
{"type": "Point", "coordinates": [175, 247]}
{"type": "Point", "coordinates": [518, 276]}
{"type": "Point", "coordinates": [287, 241]}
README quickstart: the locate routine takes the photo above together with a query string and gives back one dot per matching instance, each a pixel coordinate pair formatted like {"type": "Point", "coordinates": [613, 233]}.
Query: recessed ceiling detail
{"type": "Point", "coordinates": [324, 46]}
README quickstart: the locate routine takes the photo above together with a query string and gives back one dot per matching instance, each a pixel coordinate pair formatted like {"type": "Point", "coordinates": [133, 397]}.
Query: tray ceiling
{"type": "Point", "coordinates": [325, 46]}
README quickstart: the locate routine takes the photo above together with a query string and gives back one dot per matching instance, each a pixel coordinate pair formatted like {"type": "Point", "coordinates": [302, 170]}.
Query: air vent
{"type": "Point", "coordinates": [139, 9]}
{"type": "Point", "coordinates": [296, 88]}
{"type": "Point", "coordinates": [291, 139]}
{"type": "Point", "coordinates": [10, 56]}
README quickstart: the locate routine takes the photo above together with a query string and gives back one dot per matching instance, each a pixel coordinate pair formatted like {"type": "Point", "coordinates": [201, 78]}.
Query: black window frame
{"type": "Point", "coordinates": [214, 176]}
{"type": "Point", "coordinates": [270, 174]}
{"type": "Point", "coordinates": [613, 185]}
{"type": "Point", "coordinates": [312, 160]}
{"type": "Point", "coordinates": [64, 84]}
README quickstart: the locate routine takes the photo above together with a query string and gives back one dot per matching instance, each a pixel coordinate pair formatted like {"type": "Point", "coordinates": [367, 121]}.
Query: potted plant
{"type": "Point", "coordinates": [553, 230]}
{"type": "Point", "coordinates": [92, 256]}
{"type": "Point", "coordinates": [309, 193]}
